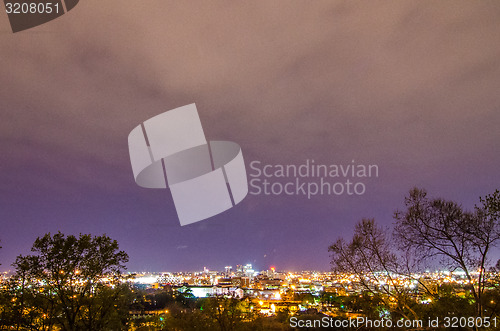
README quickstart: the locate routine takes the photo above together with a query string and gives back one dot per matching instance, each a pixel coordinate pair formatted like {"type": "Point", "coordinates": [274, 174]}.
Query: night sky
{"type": "Point", "coordinates": [413, 87]}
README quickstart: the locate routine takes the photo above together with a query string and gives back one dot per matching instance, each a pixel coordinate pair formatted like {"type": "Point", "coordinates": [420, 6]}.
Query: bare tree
{"type": "Point", "coordinates": [436, 228]}
{"type": "Point", "coordinates": [425, 230]}
{"type": "Point", "coordinates": [370, 256]}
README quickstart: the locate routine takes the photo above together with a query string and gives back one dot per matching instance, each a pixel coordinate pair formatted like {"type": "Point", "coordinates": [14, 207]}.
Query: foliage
{"type": "Point", "coordinates": [70, 283]}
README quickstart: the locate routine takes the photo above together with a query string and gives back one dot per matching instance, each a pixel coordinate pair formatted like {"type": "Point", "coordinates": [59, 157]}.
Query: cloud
{"type": "Point", "coordinates": [410, 86]}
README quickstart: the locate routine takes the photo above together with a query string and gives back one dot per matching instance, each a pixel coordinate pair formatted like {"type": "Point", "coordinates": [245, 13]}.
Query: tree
{"type": "Point", "coordinates": [226, 313]}
{"type": "Point", "coordinates": [436, 228]}
{"type": "Point", "coordinates": [371, 258]}
{"type": "Point", "coordinates": [425, 230]}
{"type": "Point", "coordinates": [72, 282]}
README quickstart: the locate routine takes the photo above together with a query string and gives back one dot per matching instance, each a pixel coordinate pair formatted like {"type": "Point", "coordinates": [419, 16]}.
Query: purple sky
{"type": "Point", "coordinates": [413, 87]}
